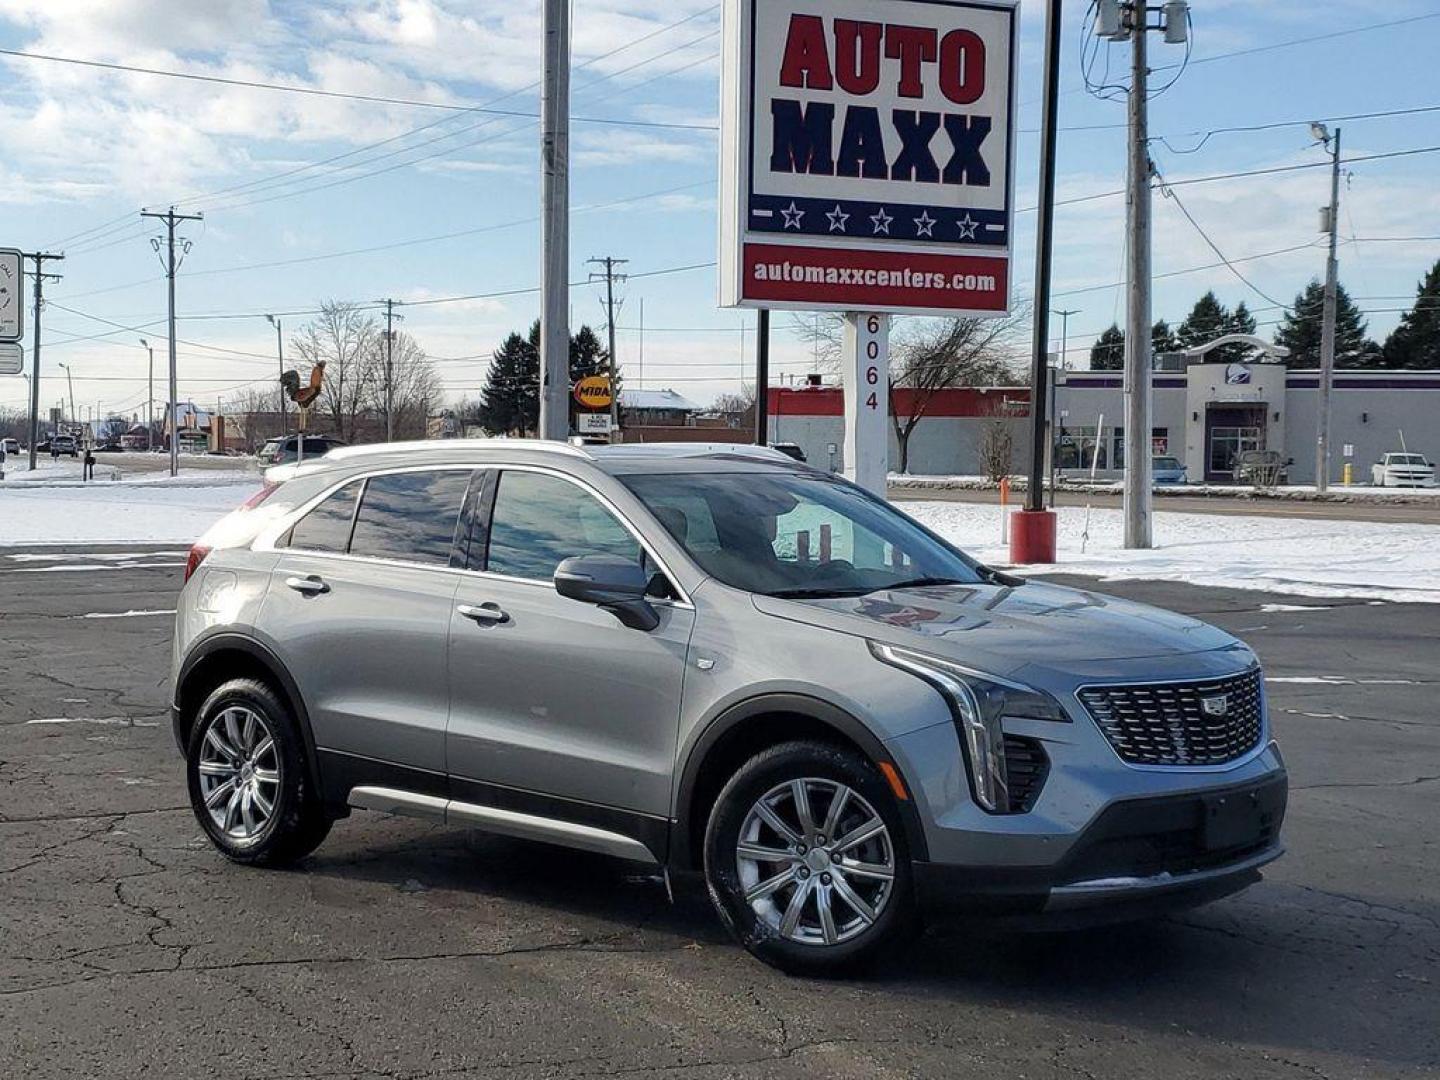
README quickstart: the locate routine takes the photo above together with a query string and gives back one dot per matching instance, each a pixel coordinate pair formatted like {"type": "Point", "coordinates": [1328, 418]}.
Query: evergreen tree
{"type": "Point", "coordinates": [510, 400]}
{"type": "Point", "coordinates": [1415, 343]}
{"type": "Point", "coordinates": [1108, 352]}
{"type": "Point", "coordinates": [1207, 320]}
{"type": "Point", "coordinates": [1303, 326]}
{"type": "Point", "coordinates": [1162, 338]}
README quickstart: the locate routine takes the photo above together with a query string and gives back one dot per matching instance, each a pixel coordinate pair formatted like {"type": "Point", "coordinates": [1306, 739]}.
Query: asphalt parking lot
{"type": "Point", "coordinates": [128, 947]}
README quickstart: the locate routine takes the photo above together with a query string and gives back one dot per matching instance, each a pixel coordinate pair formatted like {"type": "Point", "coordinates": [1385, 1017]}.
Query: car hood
{"type": "Point", "coordinates": [1003, 628]}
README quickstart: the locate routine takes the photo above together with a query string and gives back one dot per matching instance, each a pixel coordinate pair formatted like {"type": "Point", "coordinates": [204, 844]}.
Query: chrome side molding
{"type": "Point", "coordinates": [505, 822]}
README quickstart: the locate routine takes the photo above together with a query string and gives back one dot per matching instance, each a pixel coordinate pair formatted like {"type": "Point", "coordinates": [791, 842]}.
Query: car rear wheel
{"type": "Point", "coordinates": [806, 862]}
{"type": "Point", "coordinates": [246, 773]}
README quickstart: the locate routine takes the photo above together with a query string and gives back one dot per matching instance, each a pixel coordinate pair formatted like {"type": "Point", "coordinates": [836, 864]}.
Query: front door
{"type": "Point", "coordinates": [359, 605]}
{"type": "Point", "coordinates": [550, 696]}
{"type": "Point", "coordinates": [1230, 430]}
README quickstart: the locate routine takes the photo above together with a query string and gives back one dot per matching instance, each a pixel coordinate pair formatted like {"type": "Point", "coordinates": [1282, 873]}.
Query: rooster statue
{"type": "Point", "coordinates": [304, 396]}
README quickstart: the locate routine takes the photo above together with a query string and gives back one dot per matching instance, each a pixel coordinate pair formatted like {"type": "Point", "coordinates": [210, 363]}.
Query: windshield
{"type": "Point", "coordinates": [1408, 459]}
{"type": "Point", "coordinates": [1167, 463]}
{"type": "Point", "coordinates": [796, 534]}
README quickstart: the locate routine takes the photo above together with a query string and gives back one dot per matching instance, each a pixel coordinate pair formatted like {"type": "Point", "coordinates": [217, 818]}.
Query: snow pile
{"type": "Point", "coordinates": [118, 513]}
{"type": "Point", "coordinates": [1303, 556]}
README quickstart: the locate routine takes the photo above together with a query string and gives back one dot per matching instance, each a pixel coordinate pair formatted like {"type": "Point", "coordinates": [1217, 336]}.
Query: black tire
{"type": "Point", "coordinates": [779, 765]}
{"type": "Point", "coordinates": [297, 822]}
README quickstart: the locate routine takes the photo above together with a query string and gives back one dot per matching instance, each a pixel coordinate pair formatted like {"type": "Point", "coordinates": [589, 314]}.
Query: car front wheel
{"type": "Point", "coordinates": [247, 779]}
{"type": "Point", "coordinates": [806, 862]}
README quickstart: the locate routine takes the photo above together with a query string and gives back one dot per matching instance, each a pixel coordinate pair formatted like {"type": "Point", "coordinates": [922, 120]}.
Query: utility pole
{"type": "Point", "coordinates": [280, 355]}
{"type": "Point", "coordinates": [1121, 22]}
{"type": "Point", "coordinates": [150, 400]}
{"type": "Point", "coordinates": [762, 377]}
{"type": "Point", "coordinates": [170, 217]}
{"type": "Point", "coordinates": [390, 318]}
{"type": "Point", "coordinates": [611, 277]}
{"type": "Point", "coordinates": [1327, 328]}
{"type": "Point", "coordinates": [1138, 495]}
{"type": "Point", "coordinates": [555, 222]}
{"type": "Point", "coordinates": [41, 258]}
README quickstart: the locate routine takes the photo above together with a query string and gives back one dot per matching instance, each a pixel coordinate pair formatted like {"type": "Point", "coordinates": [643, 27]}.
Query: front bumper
{"type": "Point", "coordinates": [1139, 856]}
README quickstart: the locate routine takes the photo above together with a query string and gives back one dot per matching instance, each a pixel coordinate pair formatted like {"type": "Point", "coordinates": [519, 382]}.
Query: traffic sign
{"type": "Point", "coordinates": [12, 295]}
{"type": "Point", "coordinates": [12, 358]}
{"type": "Point", "coordinates": [867, 155]}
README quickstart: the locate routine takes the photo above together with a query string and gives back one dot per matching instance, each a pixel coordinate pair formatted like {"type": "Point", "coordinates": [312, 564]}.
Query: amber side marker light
{"type": "Point", "coordinates": [892, 776]}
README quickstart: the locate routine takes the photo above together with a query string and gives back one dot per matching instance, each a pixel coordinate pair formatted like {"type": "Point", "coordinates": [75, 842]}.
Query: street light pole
{"type": "Point", "coordinates": [70, 384]}
{"type": "Point", "coordinates": [150, 401]}
{"type": "Point", "coordinates": [1327, 328]}
{"type": "Point", "coordinates": [280, 354]}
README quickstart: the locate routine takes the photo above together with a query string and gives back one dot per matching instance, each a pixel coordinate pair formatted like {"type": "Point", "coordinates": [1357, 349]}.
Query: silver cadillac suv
{"type": "Point", "coordinates": [714, 659]}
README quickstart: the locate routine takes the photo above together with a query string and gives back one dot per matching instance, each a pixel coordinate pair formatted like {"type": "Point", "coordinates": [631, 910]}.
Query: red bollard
{"type": "Point", "coordinates": [1032, 536]}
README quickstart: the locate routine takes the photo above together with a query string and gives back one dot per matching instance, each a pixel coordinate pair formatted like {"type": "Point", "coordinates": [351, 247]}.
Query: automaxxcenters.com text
{"type": "Point", "coordinates": [852, 275]}
{"type": "Point", "coordinates": [826, 276]}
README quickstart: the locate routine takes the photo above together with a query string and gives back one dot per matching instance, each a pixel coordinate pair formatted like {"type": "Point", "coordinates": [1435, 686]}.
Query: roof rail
{"type": "Point", "coordinates": [547, 446]}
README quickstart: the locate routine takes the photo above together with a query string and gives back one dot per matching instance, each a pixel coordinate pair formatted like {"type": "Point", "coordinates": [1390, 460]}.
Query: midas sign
{"type": "Point", "coordinates": [593, 392]}
{"type": "Point", "coordinates": [868, 150]}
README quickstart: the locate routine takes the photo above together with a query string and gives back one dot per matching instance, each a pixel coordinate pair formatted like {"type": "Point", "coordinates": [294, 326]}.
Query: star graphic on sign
{"type": "Point", "coordinates": [837, 219]}
{"type": "Point", "coordinates": [882, 221]}
{"type": "Point", "coordinates": [792, 215]}
{"type": "Point", "coordinates": [924, 224]}
{"type": "Point", "coordinates": [967, 227]}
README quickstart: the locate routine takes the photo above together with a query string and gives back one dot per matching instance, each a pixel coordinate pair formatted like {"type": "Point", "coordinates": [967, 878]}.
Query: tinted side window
{"type": "Point", "coordinates": [327, 527]}
{"type": "Point", "coordinates": [410, 516]}
{"type": "Point", "coordinates": [540, 520]}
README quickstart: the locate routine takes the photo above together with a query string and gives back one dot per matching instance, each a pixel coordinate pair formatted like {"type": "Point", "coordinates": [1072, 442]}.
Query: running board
{"type": "Point", "coordinates": [504, 822]}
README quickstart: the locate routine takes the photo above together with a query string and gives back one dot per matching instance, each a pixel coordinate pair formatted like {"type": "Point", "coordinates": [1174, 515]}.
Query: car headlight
{"type": "Point", "coordinates": [978, 702]}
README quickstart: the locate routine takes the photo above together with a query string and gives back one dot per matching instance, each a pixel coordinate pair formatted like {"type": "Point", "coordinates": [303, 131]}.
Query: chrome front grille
{"type": "Point", "coordinates": [1183, 724]}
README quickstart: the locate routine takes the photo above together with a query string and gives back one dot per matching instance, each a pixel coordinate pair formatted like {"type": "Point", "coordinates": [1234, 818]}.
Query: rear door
{"type": "Point", "coordinates": [359, 605]}
{"type": "Point", "coordinates": [550, 696]}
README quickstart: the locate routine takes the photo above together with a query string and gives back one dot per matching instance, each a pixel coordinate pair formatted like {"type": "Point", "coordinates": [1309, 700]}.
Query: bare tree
{"type": "Point", "coordinates": [933, 354]}
{"type": "Point", "coordinates": [738, 410]}
{"type": "Point", "coordinates": [926, 356]}
{"type": "Point", "coordinates": [997, 448]}
{"type": "Point", "coordinates": [345, 338]}
{"type": "Point", "coordinates": [416, 386]}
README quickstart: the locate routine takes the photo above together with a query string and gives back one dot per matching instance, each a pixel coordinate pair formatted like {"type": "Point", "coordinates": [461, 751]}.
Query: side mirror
{"type": "Point", "coordinates": [615, 584]}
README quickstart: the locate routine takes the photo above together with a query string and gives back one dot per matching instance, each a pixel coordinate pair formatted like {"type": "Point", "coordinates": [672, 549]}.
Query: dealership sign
{"type": "Point", "coordinates": [867, 155]}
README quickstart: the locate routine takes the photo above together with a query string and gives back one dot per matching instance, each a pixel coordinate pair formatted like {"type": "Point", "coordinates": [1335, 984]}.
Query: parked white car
{"type": "Point", "coordinates": [1403, 470]}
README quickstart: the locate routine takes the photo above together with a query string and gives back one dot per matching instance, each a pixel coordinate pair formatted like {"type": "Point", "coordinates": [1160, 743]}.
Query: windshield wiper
{"type": "Point", "coordinates": [921, 582]}
{"type": "Point", "coordinates": [816, 594]}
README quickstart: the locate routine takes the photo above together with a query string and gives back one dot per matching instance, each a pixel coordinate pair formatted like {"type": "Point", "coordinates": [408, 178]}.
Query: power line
{"type": "Point", "coordinates": [373, 99]}
{"type": "Point", "coordinates": [1174, 197]}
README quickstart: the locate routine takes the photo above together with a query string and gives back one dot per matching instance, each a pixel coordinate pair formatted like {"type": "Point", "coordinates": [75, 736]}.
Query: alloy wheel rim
{"type": "Point", "coordinates": [239, 772]}
{"type": "Point", "coordinates": [816, 861]}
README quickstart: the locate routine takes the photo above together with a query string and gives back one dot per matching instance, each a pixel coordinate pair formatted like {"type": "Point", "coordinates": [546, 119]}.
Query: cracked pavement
{"type": "Point", "coordinates": [400, 949]}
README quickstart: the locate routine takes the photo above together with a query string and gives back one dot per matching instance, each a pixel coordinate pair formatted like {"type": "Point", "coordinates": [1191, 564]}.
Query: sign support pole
{"type": "Point", "coordinates": [762, 377]}
{"type": "Point", "coordinates": [865, 371]}
{"type": "Point", "coordinates": [1032, 540]}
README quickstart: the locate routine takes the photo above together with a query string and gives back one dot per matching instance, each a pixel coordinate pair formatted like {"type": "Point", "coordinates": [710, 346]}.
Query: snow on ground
{"type": "Point", "coordinates": [1302, 556]}
{"type": "Point", "coordinates": [118, 513]}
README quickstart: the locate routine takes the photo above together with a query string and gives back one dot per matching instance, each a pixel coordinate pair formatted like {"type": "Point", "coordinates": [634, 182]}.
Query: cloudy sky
{"type": "Point", "coordinates": [308, 198]}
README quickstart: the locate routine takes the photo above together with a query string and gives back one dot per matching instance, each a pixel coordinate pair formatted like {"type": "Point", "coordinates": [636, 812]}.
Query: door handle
{"type": "Point", "coordinates": [483, 613]}
{"type": "Point", "coordinates": [310, 586]}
